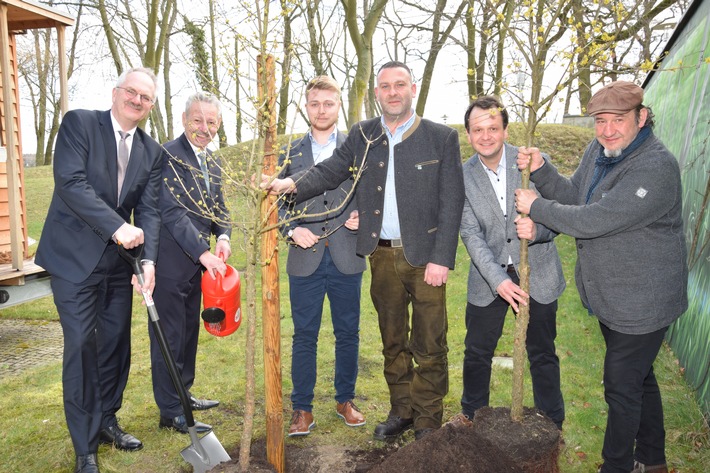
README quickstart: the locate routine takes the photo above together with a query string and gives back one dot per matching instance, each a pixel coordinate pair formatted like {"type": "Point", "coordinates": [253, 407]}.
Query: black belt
{"type": "Point", "coordinates": [396, 243]}
{"type": "Point", "coordinates": [511, 268]}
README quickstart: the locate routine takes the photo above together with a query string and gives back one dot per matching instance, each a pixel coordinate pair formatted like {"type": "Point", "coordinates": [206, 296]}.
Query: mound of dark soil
{"type": "Point", "coordinates": [493, 443]}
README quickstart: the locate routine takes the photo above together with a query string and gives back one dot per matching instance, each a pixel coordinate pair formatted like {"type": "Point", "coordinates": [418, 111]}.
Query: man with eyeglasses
{"type": "Point", "coordinates": [192, 210]}
{"type": "Point", "coordinates": [322, 261]}
{"type": "Point", "coordinates": [106, 169]}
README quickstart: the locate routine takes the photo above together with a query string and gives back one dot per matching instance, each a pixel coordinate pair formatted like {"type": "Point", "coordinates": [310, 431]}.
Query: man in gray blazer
{"type": "Point", "coordinates": [623, 205]}
{"type": "Point", "coordinates": [322, 261]}
{"type": "Point", "coordinates": [409, 198]}
{"type": "Point", "coordinates": [491, 232]}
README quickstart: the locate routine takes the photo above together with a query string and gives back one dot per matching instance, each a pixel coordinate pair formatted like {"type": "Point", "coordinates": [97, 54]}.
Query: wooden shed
{"type": "Point", "coordinates": [16, 17]}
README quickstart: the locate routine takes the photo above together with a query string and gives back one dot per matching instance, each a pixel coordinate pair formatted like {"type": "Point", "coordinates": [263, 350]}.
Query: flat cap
{"type": "Point", "coordinates": [617, 97]}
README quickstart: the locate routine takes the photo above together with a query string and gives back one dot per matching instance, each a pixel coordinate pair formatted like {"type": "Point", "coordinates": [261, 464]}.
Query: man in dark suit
{"type": "Point", "coordinates": [322, 261]}
{"type": "Point", "coordinates": [491, 233]}
{"type": "Point", "coordinates": [105, 169]}
{"type": "Point", "coordinates": [409, 198]}
{"type": "Point", "coordinates": [192, 209]}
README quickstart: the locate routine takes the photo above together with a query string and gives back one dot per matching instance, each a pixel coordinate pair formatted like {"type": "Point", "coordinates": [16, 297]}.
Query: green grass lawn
{"type": "Point", "coordinates": [33, 434]}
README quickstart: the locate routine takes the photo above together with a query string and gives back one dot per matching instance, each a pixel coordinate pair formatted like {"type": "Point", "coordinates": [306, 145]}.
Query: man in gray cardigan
{"type": "Point", "coordinates": [623, 206]}
{"type": "Point", "coordinates": [491, 234]}
{"type": "Point", "coordinates": [409, 198]}
{"type": "Point", "coordinates": [322, 261]}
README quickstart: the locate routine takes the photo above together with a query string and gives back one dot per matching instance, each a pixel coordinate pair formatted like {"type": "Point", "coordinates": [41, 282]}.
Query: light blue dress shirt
{"type": "Point", "coordinates": [390, 213]}
{"type": "Point", "coordinates": [325, 151]}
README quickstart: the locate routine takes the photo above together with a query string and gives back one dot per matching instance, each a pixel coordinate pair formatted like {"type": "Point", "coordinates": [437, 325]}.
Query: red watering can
{"type": "Point", "coordinates": [222, 312]}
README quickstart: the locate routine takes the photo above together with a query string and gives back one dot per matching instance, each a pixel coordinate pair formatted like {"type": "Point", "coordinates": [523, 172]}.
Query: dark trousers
{"type": "Point", "coordinates": [635, 407]}
{"type": "Point", "coordinates": [414, 392]}
{"type": "Point", "coordinates": [178, 305]}
{"type": "Point", "coordinates": [307, 296]}
{"type": "Point", "coordinates": [96, 320]}
{"type": "Point", "coordinates": [484, 326]}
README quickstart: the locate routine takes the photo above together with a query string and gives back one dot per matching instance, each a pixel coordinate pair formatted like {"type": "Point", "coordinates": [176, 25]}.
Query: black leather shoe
{"type": "Point", "coordinates": [202, 404]}
{"type": "Point", "coordinates": [180, 424]}
{"type": "Point", "coordinates": [114, 435]}
{"type": "Point", "coordinates": [421, 433]}
{"type": "Point", "coordinates": [86, 464]}
{"type": "Point", "coordinates": [392, 427]}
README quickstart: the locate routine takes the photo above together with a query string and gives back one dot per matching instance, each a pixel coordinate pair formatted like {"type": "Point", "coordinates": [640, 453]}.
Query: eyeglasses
{"type": "Point", "coordinates": [131, 94]}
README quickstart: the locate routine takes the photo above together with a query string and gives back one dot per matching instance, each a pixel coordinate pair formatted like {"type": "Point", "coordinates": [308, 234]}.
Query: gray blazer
{"type": "Point", "coordinates": [341, 243]}
{"type": "Point", "coordinates": [490, 238]}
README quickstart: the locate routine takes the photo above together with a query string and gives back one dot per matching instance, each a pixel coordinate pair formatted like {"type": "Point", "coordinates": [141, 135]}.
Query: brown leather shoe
{"type": "Point", "coordinates": [460, 420]}
{"type": "Point", "coordinates": [301, 423]}
{"type": "Point", "coordinates": [350, 414]}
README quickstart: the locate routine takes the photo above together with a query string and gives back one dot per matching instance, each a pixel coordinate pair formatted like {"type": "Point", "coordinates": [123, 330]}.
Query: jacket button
{"type": "Point", "coordinates": [384, 142]}
{"type": "Point", "coordinates": [503, 265]}
{"type": "Point", "coordinates": [323, 228]}
{"type": "Point", "coordinates": [377, 212]}
{"type": "Point", "coordinates": [379, 188]}
{"type": "Point", "coordinates": [381, 164]}
{"type": "Point", "coordinates": [509, 240]}
{"type": "Point", "coordinates": [580, 246]}
{"type": "Point", "coordinates": [373, 235]}
{"type": "Point", "coordinates": [325, 202]}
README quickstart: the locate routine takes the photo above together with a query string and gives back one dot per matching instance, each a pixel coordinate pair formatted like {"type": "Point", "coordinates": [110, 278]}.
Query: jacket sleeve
{"type": "Point", "coordinates": [451, 199]}
{"type": "Point", "coordinates": [644, 194]}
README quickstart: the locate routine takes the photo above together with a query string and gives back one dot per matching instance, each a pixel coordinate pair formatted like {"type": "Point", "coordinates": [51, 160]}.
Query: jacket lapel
{"type": "Point", "coordinates": [110, 152]}
{"type": "Point", "coordinates": [488, 194]}
{"type": "Point", "coordinates": [134, 164]}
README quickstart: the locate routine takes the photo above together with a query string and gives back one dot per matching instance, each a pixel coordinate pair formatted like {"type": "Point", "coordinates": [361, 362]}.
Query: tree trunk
{"type": "Point", "coordinates": [363, 48]}
{"type": "Point", "coordinates": [252, 253]}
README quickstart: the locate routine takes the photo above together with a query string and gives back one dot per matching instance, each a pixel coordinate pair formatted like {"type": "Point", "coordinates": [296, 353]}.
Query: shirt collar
{"type": "Point", "coordinates": [400, 128]}
{"type": "Point", "coordinates": [117, 127]}
{"type": "Point", "coordinates": [332, 137]}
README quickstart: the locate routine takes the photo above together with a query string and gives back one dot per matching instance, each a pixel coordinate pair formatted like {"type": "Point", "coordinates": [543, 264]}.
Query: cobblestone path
{"type": "Point", "coordinates": [28, 343]}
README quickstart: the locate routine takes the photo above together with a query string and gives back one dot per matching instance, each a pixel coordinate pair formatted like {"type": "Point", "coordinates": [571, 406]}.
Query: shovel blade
{"type": "Point", "coordinates": [214, 454]}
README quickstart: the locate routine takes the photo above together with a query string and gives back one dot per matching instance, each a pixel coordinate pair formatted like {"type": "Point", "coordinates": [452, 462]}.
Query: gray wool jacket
{"type": "Point", "coordinates": [631, 268]}
{"type": "Point", "coordinates": [429, 187]}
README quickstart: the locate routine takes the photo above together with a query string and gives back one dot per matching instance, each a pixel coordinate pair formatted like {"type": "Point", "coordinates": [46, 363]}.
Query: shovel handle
{"type": "Point", "coordinates": [133, 257]}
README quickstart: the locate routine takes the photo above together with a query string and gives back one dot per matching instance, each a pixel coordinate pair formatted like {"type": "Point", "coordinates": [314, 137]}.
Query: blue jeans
{"type": "Point", "coordinates": [484, 326]}
{"type": "Point", "coordinates": [635, 407]}
{"type": "Point", "coordinates": [307, 295]}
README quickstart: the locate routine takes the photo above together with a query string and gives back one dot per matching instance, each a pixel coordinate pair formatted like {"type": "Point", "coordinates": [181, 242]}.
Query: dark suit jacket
{"type": "Point", "coordinates": [429, 187]}
{"type": "Point", "coordinates": [84, 212]}
{"type": "Point", "coordinates": [490, 238]}
{"type": "Point", "coordinates": [187, 227]}
{"type": "Point", "coordinates": [341, 243]}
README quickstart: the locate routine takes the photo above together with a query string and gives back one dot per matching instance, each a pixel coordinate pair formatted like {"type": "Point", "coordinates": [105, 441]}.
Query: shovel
{"type": "Point", "coordinates": [206, 452]}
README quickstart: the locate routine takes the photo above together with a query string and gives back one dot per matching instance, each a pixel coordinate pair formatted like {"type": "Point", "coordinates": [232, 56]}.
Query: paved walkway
{"type": "Point", "coordinates": [27, 344]}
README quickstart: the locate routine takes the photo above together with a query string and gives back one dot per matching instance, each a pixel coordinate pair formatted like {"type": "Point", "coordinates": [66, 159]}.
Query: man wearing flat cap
{"type": "Point", "coordinates": [623, 206]}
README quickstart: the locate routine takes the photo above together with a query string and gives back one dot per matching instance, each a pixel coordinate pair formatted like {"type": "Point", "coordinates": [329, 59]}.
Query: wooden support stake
{"type": "Point", "coordinates": [275, 453]}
